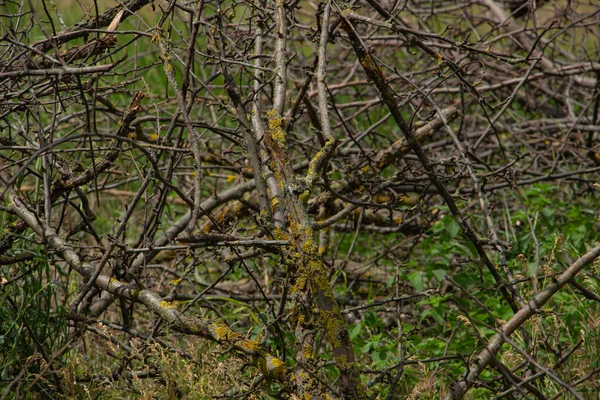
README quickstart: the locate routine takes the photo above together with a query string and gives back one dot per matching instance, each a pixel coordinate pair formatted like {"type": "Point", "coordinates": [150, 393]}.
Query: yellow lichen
{"type": "Point", "coordinates": [114, 281]}
{"type": "Point", "coordinates": [322, 250]}
{"type": "Point", "coordinates": [274, 202]}
{"type": "Point", "coordinates": [277, 175]}
{"type": "Point", "coordinates": [300, 283]}
{"type": "Point", "coordinates": [276, 367]}
{"type": "Point", "coordinates": [332, 324]}
{"type": "Point", "coordinates": [275, 124]}
{"type": "Point", "coordinates": [222, 332]}
{"type": "Point", "coordinates": [316, 163]}
{"type": "Point", "coordinates": [304, 196]}
{"type": "Point", "coordinates": [167, 304]}
{"type": "Point", "coordinates": [295, 228]}
{"type": "Point", "coordinates": [280, 234]}
{"type": "Point", "coordinates": [136, 292]}
{"type": "Point", "coordinates": [250, 345]}
{"type": "Point", "coordinates": [308, 353]}
{"type": "Point", "coordinates": [276, 362]}
{"type": "Point", "coordinates": [307, 246]}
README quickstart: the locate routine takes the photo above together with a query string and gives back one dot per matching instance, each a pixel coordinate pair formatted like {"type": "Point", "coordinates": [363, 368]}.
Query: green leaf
{"type": "Point", "coordinates": [355, 331]}
{"type": "Point", "coordinates": [452, 228]}
{"type": "Point", "coordinates": [439, 274]}
{"type": "Point", "coordinates": [416, 280]}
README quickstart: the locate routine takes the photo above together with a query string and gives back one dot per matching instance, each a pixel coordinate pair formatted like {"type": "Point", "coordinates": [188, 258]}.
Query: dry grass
{"type": "Point", "coordinates": [149, 371]}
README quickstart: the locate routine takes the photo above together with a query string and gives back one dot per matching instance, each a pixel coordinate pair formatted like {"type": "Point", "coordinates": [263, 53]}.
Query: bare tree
{"type": "Point", "coordinates": [296, 156]}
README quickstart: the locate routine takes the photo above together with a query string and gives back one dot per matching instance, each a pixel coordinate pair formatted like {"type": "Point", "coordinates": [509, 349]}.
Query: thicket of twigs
{"type": "Point", "coordinates": [364, 199]}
